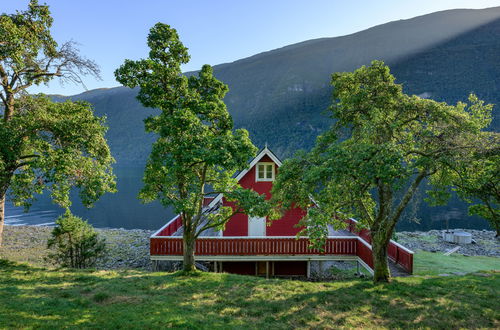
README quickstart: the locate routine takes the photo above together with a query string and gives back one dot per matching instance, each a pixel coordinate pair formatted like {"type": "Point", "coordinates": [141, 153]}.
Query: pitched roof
{"type": "Point", "coordinates": [264, 152]}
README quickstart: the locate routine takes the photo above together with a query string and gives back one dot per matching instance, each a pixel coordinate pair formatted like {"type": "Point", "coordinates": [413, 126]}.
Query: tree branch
{"type": "Point", "coordinates": [365, 211]}
{"type": "Point", "coordinates": [407, 197]}
{"type": "Point", "coordinates": [209, 225]}
{"type": "Point", "coordinates": [21, 164]}
{"type": "Point", "coordinates": [29, 156]}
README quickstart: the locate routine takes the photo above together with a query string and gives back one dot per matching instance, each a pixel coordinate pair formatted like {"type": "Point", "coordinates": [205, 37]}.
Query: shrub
{"type": "Point", "coordinates": [76, 243]}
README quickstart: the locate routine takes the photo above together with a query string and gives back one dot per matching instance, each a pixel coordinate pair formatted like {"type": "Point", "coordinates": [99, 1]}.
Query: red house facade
{"type": "Point", "coordinates": [255, 246]}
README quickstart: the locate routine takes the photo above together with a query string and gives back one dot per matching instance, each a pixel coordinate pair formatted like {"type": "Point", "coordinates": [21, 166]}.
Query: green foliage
{"type": "Point", "coordinates": [196, 144]}
{"type": "Point", "coordinates": [25, 36]}
{"type": "Point", "coordinates": [76, 243]}
{"type": "Point", "coordinates": [55, 146]}
{"type": "Point", "coordinates": [383, 145]}
{"type": "Point", "coordinates": [45, 144]}
{"type": "Point", "coordinates": [476, 182]}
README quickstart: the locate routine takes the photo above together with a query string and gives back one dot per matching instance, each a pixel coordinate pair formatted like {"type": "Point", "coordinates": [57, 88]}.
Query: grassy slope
{"type": "Point", "coordinates": [427, 263]}
{"type": "Point", "coordinates": [36, 297]}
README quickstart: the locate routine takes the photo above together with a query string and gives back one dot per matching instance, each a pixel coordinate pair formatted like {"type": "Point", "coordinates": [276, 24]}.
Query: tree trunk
{"type": "Point", "coordinates": [9, 109]}
{"type": "Point", "coordinates": [2, 215]}
{"type": "Point", "coordinates": [188, 245]}
{"type": "Point", "coordinates": [380, 265]}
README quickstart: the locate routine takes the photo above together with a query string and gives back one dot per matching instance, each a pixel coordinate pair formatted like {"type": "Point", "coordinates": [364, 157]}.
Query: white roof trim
{"type": "Point", "coordinates": [254, 162]}
{"type": "Point", "coordinates": [165, 226]}
{"type": "Point", "coordinates": [402, 247]}
{"type": "Point", "coordinates": [215, 200]}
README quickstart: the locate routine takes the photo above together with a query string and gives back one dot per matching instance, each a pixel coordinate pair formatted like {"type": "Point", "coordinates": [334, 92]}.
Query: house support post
{"type": "Point", "coordinates": [357, 267]}
{"type": "Point", "coordinates": [267, 269]}
{"type": "Point", "coordinates": [215, 266]}
{"type": "Point", "coordinates": [308, 269]}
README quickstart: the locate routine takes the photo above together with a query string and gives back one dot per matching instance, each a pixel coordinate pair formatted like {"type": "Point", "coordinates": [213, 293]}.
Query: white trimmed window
{"type": "Point", "coordinates": [264, 171]}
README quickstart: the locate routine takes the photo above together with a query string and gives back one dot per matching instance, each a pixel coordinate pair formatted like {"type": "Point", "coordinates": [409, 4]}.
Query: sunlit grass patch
{"type": "Point", "coordinates": [34, 297]}
{"type": "Point", "coordinates": [428, 263]}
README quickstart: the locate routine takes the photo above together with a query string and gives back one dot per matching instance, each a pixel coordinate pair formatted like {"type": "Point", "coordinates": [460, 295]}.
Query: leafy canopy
{"type": "Point", "coordinates": [196, 146]}
{"type": "Point", "coordinates": [55, 146]}
{"type": "Point", "coordinates": [477, 182]}
{"type": "Point", "coordinates": [45, 144]}
{"type": "Point", "coordinates": [383, 145]}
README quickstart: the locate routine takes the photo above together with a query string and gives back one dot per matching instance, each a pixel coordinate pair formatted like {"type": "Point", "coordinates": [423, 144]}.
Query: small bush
{"type": "Point", "coordinates": [76, 242]}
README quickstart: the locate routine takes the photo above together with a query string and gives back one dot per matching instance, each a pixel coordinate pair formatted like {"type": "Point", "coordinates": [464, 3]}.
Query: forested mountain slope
{"type": "Point", "coordinates": [280, 96]}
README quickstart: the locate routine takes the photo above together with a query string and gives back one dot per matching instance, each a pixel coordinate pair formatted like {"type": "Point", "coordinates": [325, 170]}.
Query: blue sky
{"type": "Point", "coordinates": [215, 32]}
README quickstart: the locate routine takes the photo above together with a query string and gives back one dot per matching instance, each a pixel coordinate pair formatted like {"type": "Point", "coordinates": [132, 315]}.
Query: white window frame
{"type": "Point", "coordinates": [265, 171]}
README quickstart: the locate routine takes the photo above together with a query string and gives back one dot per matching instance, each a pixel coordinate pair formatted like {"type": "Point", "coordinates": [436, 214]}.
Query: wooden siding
{"type": "Point", "coordinates": [245, 246]}
{"type": "Point", "coordinates": [238, 225]}
{"type": "Point", "coordinates": [286, 226]}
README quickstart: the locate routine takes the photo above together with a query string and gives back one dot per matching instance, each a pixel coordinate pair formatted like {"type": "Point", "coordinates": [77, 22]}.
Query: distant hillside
{"type": "Point", "coordinates": [280, 96]}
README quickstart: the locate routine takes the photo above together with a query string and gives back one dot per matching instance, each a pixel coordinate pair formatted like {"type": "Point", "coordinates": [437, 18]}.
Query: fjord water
{"type": "Point", "coordinates": [119, 210]}
{"type": "Point", "coordinates": [124, 210]}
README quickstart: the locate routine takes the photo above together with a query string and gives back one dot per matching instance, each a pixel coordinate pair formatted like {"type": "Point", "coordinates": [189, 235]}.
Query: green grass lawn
{"type": "Point", "coordinates": [48, 298]}
{"type": "Point", "coordinates": [428, 263]}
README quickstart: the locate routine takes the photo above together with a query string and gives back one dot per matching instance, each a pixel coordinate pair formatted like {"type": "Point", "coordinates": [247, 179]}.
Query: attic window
{"type": "Point", "coordinates": [265, 172]}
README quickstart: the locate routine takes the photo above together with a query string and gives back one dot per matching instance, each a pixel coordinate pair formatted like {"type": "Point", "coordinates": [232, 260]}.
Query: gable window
{"type": "Point", "coordinates": [265, 171]}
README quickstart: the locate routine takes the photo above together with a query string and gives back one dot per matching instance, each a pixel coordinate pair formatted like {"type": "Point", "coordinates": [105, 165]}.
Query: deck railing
{"type": "Point", "coordinates": [401, 256]}
{"type": "Point", "coordinates": [396, 252]}
{"type": "Point", "coordinates": [364, 252]}
{"type": "Point", "coordinates": [162, 243]}
{"type": "Point", "coordinates": [243, 246]}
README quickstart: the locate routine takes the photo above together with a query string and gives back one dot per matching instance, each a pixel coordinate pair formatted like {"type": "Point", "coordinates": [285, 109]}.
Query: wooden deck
{"type": "Point", "coordinates": [352, 244]}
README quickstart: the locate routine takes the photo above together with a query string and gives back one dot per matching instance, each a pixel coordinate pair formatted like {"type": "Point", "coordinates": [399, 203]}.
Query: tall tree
{"type": "Point", "coordinates": [197, 152]}
{"type": "Point", "coordinates": [382, 147]}
{"type": "Point", "coordinates": [44, 144]}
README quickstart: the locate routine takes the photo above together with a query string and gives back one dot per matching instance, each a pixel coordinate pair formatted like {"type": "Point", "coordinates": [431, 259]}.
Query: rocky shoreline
{"type": "Point", "coordinates": [125, 249]}
{"type": "Point", "coordinates": [484, 242]}
{"type": "Point", "coordinates": [129, 249]}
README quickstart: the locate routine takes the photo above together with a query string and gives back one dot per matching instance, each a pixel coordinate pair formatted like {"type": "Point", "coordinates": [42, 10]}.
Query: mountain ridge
{"type": "Point", "coordinates": [280, 95]}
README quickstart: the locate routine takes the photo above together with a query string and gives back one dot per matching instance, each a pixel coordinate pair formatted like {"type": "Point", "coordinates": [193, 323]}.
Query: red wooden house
{"type": "Point", "coordinates": [255, 247]}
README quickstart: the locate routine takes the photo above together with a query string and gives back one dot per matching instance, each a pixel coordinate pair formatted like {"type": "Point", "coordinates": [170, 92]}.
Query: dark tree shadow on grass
{"type": "Point", "coordinates": [33, 297]}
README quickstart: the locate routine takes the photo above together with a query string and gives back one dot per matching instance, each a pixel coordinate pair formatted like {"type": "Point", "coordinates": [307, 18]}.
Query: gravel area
{"type": "Point", "coordinates": [126, 249]}
{"type": "Point", "coordinates": [484, 242]}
